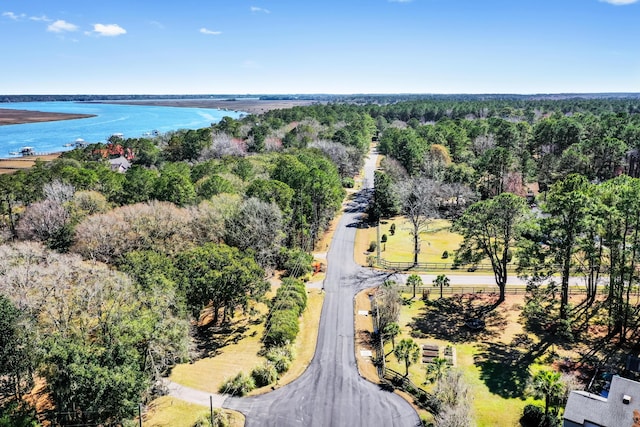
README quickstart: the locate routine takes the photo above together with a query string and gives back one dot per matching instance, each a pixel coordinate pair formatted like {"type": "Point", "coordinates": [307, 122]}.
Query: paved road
{"type": "Point", "coordinates": [331, 392]}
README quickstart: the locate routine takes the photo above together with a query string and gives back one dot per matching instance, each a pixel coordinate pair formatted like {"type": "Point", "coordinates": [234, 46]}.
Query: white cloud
{"type": "Point", "coordinates": [619, 2]}
{"type": "Point", "coordinates": [256, 9]}
{"type": "Point", "coordinates": [109, 30]}
{"type": "Point", "coordinates": [210, 32]}
{"type": "Point", "coordinates": [42, 18]}
{"type": "Point", "coordinates": [13, 16]}
{"type": "Point", "coordinates": [61, 26]}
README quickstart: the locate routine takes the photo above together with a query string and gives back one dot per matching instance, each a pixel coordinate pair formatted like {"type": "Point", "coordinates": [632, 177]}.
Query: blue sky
{"type": "Point", "coordinates": [313, 46]}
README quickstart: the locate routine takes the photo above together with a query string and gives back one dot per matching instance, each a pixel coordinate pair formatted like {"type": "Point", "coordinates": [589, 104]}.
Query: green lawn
{"type": "Point", "coordinates": [399, 246]}
{"type": "Point", "coordinates": [495, 370]}
{"type": "Point", "coordinates": [240, 354]}
{"type": "Point", "coordinates": [168, 411]}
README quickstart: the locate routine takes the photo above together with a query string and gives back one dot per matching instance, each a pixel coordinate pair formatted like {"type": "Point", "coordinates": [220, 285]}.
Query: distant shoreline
{"type": "Point", "coordinates": [18, 117]}
{"type": "Point", "coordinates": [250, 106]}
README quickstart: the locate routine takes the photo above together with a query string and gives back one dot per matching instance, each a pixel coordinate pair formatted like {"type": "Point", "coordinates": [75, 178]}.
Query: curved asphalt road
{"type": "Point", "coordinates": [331, 392]}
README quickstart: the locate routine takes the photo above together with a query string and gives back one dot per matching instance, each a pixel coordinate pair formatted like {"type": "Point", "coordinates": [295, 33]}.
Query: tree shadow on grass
{"type": "Point", "coordinates": [505, 368]}
{"type": "Point", "coordinates": [449, 318]}
{"type": "Point", "coordinates": [210, 338]}
{"type": "Point", "coordinates": [501, 369]}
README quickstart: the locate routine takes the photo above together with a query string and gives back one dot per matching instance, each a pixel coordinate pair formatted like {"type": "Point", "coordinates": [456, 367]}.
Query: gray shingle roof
{"type": "Point", "coordinates": [606, 412]}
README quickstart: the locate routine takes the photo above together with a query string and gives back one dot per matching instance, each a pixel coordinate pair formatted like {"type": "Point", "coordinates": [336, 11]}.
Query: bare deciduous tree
{"type": "Point", "coordinates": [42, 220]}
{"type": "Point", "coordinates": [223, 145]}
{"type": "Point", "coordinates": [388, 304]}
{"type": "Point", "coordinates": [421, 199]}
{"type": "Point", "coordinates": [455, 407]}
{"type": "Point", "coordinates": [346, 158]}
{"type": "Point", "coordinates": [58, 191]}
{"type": "Point", "coordinates": [482, 143]}
{"type": "Point", "coordinates": [158, 226]}
{"type": "Point", "coordinates": [257, 225]}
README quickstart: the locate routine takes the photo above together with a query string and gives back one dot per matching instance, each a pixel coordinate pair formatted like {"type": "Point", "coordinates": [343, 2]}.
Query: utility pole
{"type": "Point", "coordinates": [140, 414]}
{"type": "Point", "coordinates": [378, 241]}
{"type": "Point", "coordinates": [211, 408]}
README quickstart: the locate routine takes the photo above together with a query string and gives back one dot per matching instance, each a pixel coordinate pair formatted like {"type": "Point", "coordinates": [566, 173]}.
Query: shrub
{"type": "Point", "coordinates": [296, 262]}
{"type": "Point", "coordinates": [282, 328]}
{"type": "Point", "coordinates": [292, 295]}
{"type": "Point", "coordinates": [281, 358]}
{"type": "Point", "coordinates": [239, 385]}
{"type": "Point", "coordinates": [220, 419]}
{"type": "Point", "coordinates": [372, 246]}
{"type": "Point", "coordinates": [445, 254]}
{"type": "Point", "coordinates": [532, 416]}
{"type": "Point", "coordinates": [264, 375]}
{"type": "Point", "coordinates": [348, 182]}
{"type": "Point", "coordinates": [383, 239]}
{"type": "Point", "coordinates": [392, 229]}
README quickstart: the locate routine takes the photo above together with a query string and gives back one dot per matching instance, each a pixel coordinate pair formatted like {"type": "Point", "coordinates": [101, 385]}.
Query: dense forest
{"type": "Point", "coordinates": [102, 272]}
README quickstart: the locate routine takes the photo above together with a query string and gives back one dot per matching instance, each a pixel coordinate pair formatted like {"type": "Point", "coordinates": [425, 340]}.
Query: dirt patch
{"type": "Point", "coordinates": [364, 334]}
{"type": "Point", "coordinates": [16, 117]}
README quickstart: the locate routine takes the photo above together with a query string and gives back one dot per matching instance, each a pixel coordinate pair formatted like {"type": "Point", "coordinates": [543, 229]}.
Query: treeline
{"type": "Point", "coordinates": [497, 154]}
{"type": "Point", "coordinates": [550, 186]}
{"type": "Point", "coordinates": [103, 270]}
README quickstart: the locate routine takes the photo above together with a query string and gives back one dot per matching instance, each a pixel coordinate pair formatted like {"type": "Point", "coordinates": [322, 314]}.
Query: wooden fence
{"type": "Point", "coordinates": [422, 398]}
{"type": "Point", "coordinates": [434, 291]}
{"type": "Point", "coordinates": [445, 266]}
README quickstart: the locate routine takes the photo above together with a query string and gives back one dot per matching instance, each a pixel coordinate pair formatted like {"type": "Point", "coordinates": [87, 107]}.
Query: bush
{"type": "Point", "coordinates": [239, 385]}
{"type": "Point", "coordinates": [292, 295]}
{"type": "Point", "coordinates": [347, 182]}
{"type": "Point", "coordinates": [281, 358]}
{"type": "Point", "coordinates": [264, 375]}
{"type": "Point", "coordinates": [282, 328]}
{"type": "Point", "coordinates": [296, 262]}
{"type": "Point", "coordinates": [383, 239]}
{"type": "Point", "coordinates": [392, 229]}
{"type": "Point", "coordinates": [445, 254]}
{"type": "Point", "coordinates": [372, 246]}
{"type": "Point", "coordinates": [533, 416]}
{"type": "Point", "coordinates": [220, 419]}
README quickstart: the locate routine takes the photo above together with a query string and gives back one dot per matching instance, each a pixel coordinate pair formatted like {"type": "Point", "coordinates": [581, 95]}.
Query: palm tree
{"type": "Point", "coordinates": [408, 351]}
{"type": "Point", "coordinates": [441, 281]}
{"type": "Point", "coordinates": [547, 385]}
{"type": "Point", "coordinates": [391, 331]}
{"type": "Point", "coordinates": [414, 280]}
{"type": "Point", "coordinates": [436, 369]}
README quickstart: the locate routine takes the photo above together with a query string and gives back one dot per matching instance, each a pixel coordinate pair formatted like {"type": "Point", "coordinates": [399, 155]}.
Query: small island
{"type": "Point", "coordinates": [16, 117]}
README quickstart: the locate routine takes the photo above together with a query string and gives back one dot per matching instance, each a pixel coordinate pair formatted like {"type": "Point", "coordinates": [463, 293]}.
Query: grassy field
{"type": "Point", "coordinates": [496, 369]}
{"type": "Point", "coordinates": [23, 163]}
{"type": "Point", "coordinates": [240, 351]}
{"type": "Point", "coordinates": [399, 246]}
{"type": "Point", "coordinates": [171, 412]}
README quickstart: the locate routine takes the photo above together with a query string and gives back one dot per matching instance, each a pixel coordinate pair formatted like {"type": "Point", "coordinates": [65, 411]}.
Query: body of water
{"type": "Point", "coordinates": [132, 121]}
